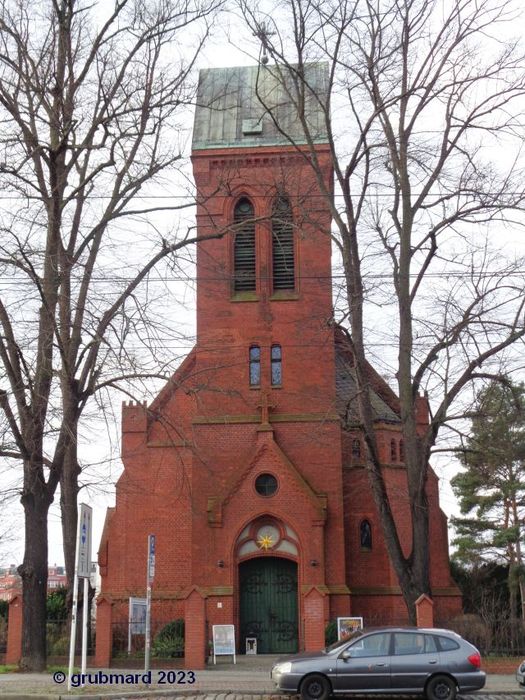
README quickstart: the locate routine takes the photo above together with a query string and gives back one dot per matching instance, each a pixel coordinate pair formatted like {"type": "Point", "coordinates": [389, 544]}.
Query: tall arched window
{"type": "Point", "coordinates": [356, 448]}
{"type": "Point", "coordinates": [401, 451]}
{"type": "Point", "coordinates": [244, 247]}
{"type": "Point", "coordinates": [365, 534]}
{"type": "Point", "coordinates": [255, 365]}
{"type": "Point", "coordinates": [393, 451]}
{"type": "Point", "coordinates": [283, 255]}
{"type": "Point", "coordinates": [277, 365]}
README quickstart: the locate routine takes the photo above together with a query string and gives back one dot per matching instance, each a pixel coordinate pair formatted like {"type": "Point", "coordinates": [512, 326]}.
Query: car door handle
{"type": "Point", "coordinates": [432, 661]}
{"type": "Point", "coordinates": [381, 664]}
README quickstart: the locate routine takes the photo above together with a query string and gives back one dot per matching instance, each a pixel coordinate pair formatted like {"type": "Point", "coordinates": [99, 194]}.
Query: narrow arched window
{"type": "Point", "coordinates": [401, 451]}
{"type": "Point", "coordinates": [283, 255]}
{"type": "Point", "coordinates": [365, 534]}
{"type": "Point", "coordinates": [244, 247]}
{"type": "Point", "coordinates": [255, 365]}
{"type": "Point", "coordinates": [393, 451]}
{"type": "Point", "coordinates": [277, 365]}
{"type": "Point", "coordinates": [356, 448]}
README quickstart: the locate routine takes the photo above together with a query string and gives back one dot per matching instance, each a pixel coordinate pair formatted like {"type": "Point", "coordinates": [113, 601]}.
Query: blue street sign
{"type": "Point", "coordinates": [84, 542]}
{"type": "Point", "coordinates": [151, 557]}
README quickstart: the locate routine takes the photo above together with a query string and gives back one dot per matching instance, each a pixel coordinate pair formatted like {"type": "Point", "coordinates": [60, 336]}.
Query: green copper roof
{"type": "Point", "coordinates": [252, 105]}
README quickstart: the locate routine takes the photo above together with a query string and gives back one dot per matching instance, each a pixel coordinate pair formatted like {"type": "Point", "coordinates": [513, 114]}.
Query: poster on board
{"type": "Point", "coordinates": [136, 619]}
{"type": "Point", "coordinates": [223, 641]}
{"type": "Point", "coordinates": [347, 625]}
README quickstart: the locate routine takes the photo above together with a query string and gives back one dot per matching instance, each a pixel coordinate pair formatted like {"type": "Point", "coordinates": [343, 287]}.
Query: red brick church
{"type": "Point", "coordinates": [248, 466]}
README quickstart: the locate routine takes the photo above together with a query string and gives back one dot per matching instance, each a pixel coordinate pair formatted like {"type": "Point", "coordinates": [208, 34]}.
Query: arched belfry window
{"type": "Point", "coordinates": [283, 255]}
{"type": "Point", "coordinates": [244, 247]}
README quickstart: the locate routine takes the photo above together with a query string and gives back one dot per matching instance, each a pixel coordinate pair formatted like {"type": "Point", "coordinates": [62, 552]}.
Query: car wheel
{"type": "Point", "coordinates": [441, 688]}
{"type": "Point", "coordinates": [315, 687]}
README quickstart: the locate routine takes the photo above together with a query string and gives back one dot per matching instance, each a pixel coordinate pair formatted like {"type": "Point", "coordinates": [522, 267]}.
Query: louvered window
{"type": "Point", "coordinates": [283, 256]}
{"type": "Point", "coordinates": [244, 248]}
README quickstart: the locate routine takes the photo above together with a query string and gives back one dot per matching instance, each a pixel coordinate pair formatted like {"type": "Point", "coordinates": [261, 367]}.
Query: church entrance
{"type": "Point", "coordinates": [268, 604]}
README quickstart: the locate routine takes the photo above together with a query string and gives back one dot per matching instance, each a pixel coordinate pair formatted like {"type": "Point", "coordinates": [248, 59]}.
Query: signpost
{"type": "Point", "coordinates": [149, 581]}
{"type": "Point", "coordinates": [82, 570]}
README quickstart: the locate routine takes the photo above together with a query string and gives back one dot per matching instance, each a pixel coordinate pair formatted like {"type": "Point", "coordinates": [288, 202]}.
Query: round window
{"type": "Point", "coordinates": [266, 484]}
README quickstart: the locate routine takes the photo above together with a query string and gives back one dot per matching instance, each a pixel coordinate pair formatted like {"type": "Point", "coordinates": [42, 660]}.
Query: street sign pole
{"type": "Point", "coordinates": [149, 580]}
{"type": "Point", "coordinates": [85, 612]}
{"type": "Point", "coordinates": [73, 636]}
{"type": "Point", "coordinates": [82, 570]}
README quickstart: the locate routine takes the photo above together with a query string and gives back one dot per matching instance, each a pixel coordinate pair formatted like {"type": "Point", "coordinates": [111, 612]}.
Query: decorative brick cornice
{"type": "Point", "coordinates": [341, 589]}
{"type": "Point", "coordinates": [274, 418]}
{"type": "Point", "coordinates": [395, 590]}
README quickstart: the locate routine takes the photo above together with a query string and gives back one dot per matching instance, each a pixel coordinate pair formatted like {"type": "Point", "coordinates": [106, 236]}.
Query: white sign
{"type": "Point", "coordinates": [223, 641]}
{"type": "Point", "coordinates": [137, 615]}
{"type": "Point", "coordinates": [84, 541]}
{"type": "Point", "coordinates": [151, 557]}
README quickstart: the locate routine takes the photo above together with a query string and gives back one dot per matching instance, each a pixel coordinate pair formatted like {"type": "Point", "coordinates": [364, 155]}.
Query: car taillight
{"type": "Point", "coordinates": [475, 660]}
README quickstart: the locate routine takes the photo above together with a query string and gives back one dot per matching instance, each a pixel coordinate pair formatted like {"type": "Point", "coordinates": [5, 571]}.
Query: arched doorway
{"type": "Point", "coordinates": [268, 604]}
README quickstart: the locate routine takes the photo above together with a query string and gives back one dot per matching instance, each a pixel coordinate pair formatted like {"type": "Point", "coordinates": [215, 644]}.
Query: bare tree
{"type": "Point", "coordinates": [91, 100]}
{"type": "Point", "coordinates": [425, 140]}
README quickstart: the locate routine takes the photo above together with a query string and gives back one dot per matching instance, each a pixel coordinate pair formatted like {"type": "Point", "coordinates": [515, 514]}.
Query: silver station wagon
{"type": "Point", "coordinates": [434, 662]}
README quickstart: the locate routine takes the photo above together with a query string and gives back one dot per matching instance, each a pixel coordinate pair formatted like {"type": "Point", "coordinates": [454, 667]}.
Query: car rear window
{"type": "Point", "coordinates": [447, 644]}
{"type": "Point", "coordinates": [413, 643]}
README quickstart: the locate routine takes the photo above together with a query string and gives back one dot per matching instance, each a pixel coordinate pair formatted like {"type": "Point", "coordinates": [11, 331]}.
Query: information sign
{"type": "Point", "coordinates": [347, 625]}
{"type": "Point", "coordinates": [223, 641]}
{"type": "Point", "coordinates": [137, 615]}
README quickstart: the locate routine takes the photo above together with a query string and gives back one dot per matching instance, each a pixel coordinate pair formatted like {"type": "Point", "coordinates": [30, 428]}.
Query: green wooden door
{"type": "Point", "coordinates": [268, 604]}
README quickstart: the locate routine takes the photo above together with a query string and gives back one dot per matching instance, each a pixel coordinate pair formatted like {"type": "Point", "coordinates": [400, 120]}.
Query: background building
{"type": "Point", "coordinates": [11, 583]}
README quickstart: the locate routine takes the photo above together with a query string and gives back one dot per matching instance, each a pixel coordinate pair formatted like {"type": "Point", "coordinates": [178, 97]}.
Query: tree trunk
{"type": "Point", "coordinates": [68, 505]}
{"type": "Point", "coordinates": [34, 579]}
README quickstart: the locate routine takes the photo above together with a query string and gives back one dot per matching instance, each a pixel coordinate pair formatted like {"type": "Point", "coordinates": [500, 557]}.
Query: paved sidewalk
{"type": "Point", "coordinates": [249, 678]}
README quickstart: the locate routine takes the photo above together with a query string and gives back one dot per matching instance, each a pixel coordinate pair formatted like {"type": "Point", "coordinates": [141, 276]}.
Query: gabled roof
{"type": "Point", "coordinates": [266, 446]}
{"type": "Point", "coordinates": [256, 106]}
{"type": "Point", "coordinates": [182, 372]}
{"type": "Point", "coordinates": [385, 403]}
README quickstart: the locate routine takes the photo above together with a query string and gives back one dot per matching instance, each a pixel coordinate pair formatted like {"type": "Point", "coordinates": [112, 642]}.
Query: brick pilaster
{"type": "Point", "coordinates": [104, 633]}
{"type": "Point", "coordinates": [195, 631]}
{"type": "Point", "coordinates": [424, 611]}
{"type": "Point", "coordinates": [14, 631]}
{"type": "Point", "coordinates": [314, 620]}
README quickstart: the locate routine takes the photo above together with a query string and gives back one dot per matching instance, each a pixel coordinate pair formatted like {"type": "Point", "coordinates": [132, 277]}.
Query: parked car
{"type": "Point", "coordinates": [520, 673]}
{"type": "Point", "coordinates": [434, 662]}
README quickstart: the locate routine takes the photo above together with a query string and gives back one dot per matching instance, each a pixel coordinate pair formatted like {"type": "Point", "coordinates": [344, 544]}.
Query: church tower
{"type": "Point", "coordinates": [268, 469]}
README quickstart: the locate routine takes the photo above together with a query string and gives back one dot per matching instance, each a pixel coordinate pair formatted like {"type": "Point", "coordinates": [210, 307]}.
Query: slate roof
{"type": "Point", "coordinates": [249, 105]}
{"type": "Point", "coordinates": [384, 401]}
